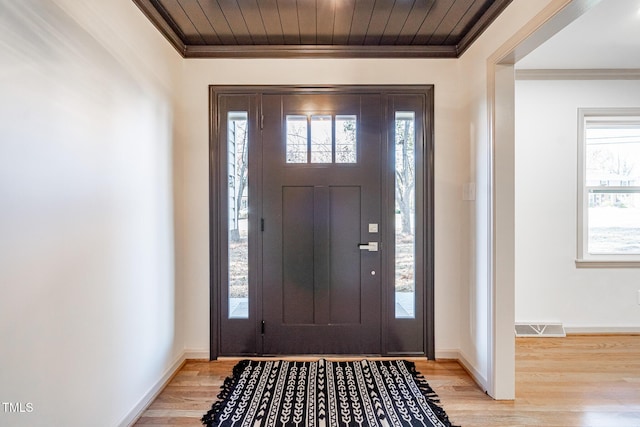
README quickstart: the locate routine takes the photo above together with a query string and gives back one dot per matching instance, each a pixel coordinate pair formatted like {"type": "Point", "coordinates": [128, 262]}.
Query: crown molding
{"type": "Point", "coordinates": [579, 74]}
{"type": "Point", "coordinates": [319, 51]}
{"type": "Point", "coordinates": [481, 25]}
{"type": "Point", "coordinates": [162, 21]}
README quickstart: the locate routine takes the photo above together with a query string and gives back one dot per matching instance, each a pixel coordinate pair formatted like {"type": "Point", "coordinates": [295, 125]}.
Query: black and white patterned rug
{"type": "Point", "coordinates": [362, 393]}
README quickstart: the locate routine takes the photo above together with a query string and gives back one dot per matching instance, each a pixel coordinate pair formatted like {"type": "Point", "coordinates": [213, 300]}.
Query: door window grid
{"type": "Point", "coordinates": [321, 139]}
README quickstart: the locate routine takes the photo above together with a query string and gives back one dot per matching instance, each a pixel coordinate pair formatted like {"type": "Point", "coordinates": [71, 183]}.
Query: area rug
{"type": "Point", "coordinates": [326, 394]}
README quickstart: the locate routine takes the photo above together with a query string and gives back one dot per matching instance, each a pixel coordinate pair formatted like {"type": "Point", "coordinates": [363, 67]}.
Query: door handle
{"type": "Point", "coordinates": [371, 246]}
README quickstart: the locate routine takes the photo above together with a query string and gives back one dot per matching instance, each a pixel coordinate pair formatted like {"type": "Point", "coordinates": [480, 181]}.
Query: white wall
{"type": "Point", "coordinates": [478, 293]}
{"type": "Point", "coordinates": [89, 308]}
{"type": "Point", "coordinates": [549, 287]}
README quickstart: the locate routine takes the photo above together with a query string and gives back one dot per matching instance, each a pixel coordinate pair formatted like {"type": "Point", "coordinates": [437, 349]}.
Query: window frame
{"type": "Point", "coordinates": [584, 259]}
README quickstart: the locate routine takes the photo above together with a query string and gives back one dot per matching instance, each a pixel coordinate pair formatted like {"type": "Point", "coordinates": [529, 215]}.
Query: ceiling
{"type": "Point", "coordinates": [606, 37]}
{"type": "Point", "coordinates": [322, 28]}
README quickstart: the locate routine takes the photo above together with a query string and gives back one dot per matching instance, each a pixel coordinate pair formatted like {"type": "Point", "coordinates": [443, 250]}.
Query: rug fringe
{"type": "Point", "coordinates": [432, 398]}
{"type": "Point", "coordinates": [212, 415]}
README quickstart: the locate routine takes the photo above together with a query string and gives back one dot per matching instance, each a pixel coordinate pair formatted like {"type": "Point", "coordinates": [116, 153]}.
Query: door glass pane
{"type": "Point", "coordinates": [346, 139]}
{"type": "Point", "coordinates": [321, 141]}
{"type": "Point", "coordinates": [405, 172]}
{"type": "Point", "coordinates": [297, 139]}
{"type": "Point", "coordinates": [237, 139]}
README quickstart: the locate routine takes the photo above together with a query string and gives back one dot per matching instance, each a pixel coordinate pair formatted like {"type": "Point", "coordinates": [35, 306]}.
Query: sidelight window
{"type": "Point", "coordinates": [238, 244]}
{"type": "Point", "coordinates": [405, 235]}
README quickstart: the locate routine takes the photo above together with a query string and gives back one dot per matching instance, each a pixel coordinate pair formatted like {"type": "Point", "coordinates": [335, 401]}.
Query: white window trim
{"type": "Point", "coordinates": [583, 258]}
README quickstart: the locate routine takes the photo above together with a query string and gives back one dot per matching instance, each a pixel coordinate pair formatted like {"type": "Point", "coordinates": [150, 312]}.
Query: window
{"type": "Point", "coordinates": [321, 140]}
{"type": "Point", "coordinates": [332, 139]}
{"type": "Point", "coordinates": [609, 196]}
{"type": "Point", "coordinates": [297, 139]}
{"type": "Point", "coordinates": [237, 143]}
{"type": "Point", "coordinates": [405, 231]}
{"type": "Point", "coordinates": [346, 139]}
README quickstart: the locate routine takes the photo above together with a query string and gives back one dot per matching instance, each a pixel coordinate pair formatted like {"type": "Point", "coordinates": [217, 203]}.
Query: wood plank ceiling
{"type": "Point", "coordinates": [321, 28]}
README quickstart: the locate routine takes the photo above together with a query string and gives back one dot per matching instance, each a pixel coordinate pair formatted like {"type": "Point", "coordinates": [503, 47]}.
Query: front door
{"type": "Point", "coordinates": [321, 215]}
{"type": "Point", "coordinates": [322, 220]}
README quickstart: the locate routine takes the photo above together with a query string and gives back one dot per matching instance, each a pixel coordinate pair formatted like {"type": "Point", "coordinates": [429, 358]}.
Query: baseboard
{"type": "Point", "coordinates": [154, 391]}
{"type": "Point", "coordinates": [197, 355]}
{"type": "Point", "coordinates": [457, 355]}
{"type": "Point", "coordinates": [447, 354]}
{"type": "Point", "coordinates": [602, 330]}
{"type": "Point", "coordinates": [480, 379]}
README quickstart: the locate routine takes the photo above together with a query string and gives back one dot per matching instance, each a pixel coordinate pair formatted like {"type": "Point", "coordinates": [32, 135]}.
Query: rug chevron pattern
{"type": "Point", "coordinates": [326, 394]}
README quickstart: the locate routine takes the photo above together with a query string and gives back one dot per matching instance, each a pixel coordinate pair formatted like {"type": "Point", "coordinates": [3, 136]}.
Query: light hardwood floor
{"type": "Point", "coordinates": [586, 381]}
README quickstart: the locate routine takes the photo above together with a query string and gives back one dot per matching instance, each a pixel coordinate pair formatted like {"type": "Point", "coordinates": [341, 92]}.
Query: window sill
{"type": "Point", "coordinates": [583, 263]}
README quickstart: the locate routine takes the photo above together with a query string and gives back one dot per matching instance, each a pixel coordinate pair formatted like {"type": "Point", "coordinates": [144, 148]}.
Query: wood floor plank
{"type": "Point", "coordinates": [577, 381]}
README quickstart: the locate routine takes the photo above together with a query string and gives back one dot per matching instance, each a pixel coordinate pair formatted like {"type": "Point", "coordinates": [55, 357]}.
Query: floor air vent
{"type": "Point", "coordinates": [540, 330]}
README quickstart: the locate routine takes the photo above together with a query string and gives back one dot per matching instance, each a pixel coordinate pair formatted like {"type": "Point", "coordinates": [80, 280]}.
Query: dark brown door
{"type": "Point", "coordinates": [321, 206]}
{"type": "Point", "coordinates": [304, 182]}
